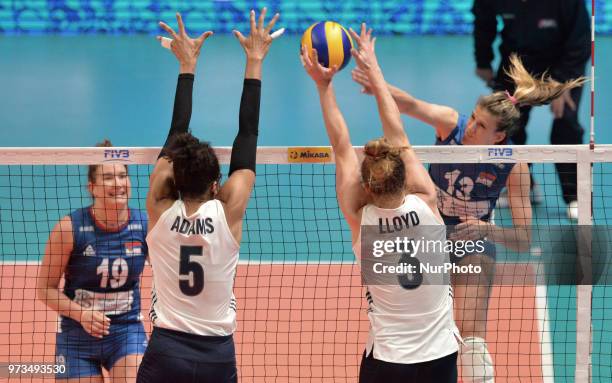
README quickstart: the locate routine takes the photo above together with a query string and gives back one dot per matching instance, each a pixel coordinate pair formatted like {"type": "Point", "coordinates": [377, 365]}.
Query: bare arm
{"type": "Point", "coordinates": [518, 184]}
{"type": "Point", "coordinates": [351, 196]}
{"type": "Point", "coordinates": [236, 191]}
{"type": "Point", "coordinates": [442, 118]}
{"type": "Point", "coordinates": [418, 180]}
{"type": "Point", "coordinates": [57, 255]}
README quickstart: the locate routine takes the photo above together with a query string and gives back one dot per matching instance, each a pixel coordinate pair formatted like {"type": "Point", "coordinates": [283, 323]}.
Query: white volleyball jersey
{"type": "Point", "coordinates": [415, 325]}
{"type": "Point", "coordinates": [194, 261]}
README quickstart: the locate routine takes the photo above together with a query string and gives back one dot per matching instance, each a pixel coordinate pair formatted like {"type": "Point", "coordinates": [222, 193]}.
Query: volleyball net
{"type": "Point", "coordinates": [301, 305]}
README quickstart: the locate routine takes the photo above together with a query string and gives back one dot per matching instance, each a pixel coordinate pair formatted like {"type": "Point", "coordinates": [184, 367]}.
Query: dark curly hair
{"type": "Point", "coordinates": [194, 163]}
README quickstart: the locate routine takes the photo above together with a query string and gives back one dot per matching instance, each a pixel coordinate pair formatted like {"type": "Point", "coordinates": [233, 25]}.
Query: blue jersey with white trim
{"type": "Point", "coordinates": [104, 269]}
{"type": "Point", "coordinates": [467, 189]}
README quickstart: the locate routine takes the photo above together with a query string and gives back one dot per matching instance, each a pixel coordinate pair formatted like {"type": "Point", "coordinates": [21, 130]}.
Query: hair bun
{"type": "Point", "coordinates": [381, 149]}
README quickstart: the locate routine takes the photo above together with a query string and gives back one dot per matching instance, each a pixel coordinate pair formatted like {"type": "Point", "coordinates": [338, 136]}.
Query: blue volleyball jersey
{"type": "Point", "coordinates": [104, 269]}
{"type": "Point", "coordinates": [467, 189]}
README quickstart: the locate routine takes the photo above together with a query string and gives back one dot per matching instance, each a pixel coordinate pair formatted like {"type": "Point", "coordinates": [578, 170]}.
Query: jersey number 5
{"type": "Point", "coordinates": [191, 273]}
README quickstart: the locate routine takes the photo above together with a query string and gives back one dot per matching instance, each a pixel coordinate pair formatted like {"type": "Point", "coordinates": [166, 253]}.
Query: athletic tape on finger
{"type": "Point", "coordinates": [166, 42]}
{"type": "Point", "coordinates": [277, 33]}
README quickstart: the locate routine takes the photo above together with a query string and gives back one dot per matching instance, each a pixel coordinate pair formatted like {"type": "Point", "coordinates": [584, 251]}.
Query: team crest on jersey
{"type": "Point", "coordinates": [133, 248]}
{"type": "Point", "coordinates": [89, 251]}
{"type": "Point", "coordinates": [486, 179]}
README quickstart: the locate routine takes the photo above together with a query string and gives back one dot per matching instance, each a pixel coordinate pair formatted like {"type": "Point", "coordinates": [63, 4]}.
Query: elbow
{"type": "Point", "coordinates": [41, 294]}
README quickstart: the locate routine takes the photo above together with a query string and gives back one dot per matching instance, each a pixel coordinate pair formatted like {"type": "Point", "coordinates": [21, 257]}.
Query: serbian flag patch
{"type": "Point", "coordinates": [133, 248]}
{"type": "Point", "coordinates": [486, 178]}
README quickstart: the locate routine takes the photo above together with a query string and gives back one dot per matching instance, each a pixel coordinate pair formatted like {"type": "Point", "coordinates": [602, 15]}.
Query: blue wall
{"type": "Point", "coordinates": [141, 16]}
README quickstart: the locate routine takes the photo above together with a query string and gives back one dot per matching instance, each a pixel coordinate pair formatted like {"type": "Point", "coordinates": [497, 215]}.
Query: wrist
{"type": "Point", "coordinates": [254, 59]}
{"type": "Point", "coordinates": [77, 315]}
{"type": "Point", "coordinates": [187, 67]}
{"type": "Point", "coordinates": [323, 84]}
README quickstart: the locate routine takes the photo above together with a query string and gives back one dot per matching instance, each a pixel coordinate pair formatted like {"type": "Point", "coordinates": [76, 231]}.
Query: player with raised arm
{"type": "Point", "coordinates": [196, 227]}
{"type": "Point", "coordinates": [467, 193]}
{"type": "Point", "coordinates": [412, 333]}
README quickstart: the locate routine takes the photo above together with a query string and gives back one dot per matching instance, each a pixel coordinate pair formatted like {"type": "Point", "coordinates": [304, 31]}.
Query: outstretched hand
{"type": "Point", "coordinates": [322, 76]}
{"type": "Point", "coordinates": [365, 57]}
{"type": "Point", "coordinates": [361, 78]}
{"type": "Point", "coordinates": [186, 49]}
{"type": "Point", "coordinates": [257, 44]}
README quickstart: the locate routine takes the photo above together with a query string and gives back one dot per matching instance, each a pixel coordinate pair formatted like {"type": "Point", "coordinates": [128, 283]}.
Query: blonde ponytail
{"type": "Point", "coordinates": [529, 91]}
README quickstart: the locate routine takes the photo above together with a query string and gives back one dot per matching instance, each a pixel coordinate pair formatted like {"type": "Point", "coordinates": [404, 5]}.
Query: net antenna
{"type": "Point", "coordinates": [584, 327]}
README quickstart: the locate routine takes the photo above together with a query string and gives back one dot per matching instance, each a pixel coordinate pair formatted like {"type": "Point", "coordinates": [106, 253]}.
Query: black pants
{"type": "Point", "coordinates": [443, 370]}
{"type": "Point", "coordinates": [565, 131]}
{"type": "Point", "coordinates": [175, 357]}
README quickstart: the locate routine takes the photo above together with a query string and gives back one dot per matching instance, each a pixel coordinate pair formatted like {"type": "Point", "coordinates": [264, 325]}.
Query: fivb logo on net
{"type": "Point", "coordinates": [117, 155]}
{"type": "Point", "coordinates": [500, 153]}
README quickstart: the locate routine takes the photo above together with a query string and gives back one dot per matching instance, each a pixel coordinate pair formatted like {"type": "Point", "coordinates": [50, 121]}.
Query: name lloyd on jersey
{"type": "Point", "coordinates": [199, 226]}
{"type": "Point", "coordinates": [395, 224]}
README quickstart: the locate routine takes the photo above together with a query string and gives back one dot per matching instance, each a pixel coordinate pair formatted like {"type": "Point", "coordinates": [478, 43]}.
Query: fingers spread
{"type": "Point", "coordinates": [167, 28]}
{"type": "Point", "coordinates": [355, 36]}
{"type": "Point", "coordinates": [239, 36]}
{"type": "Point", "coordinates": [272, 22]}
{"type": "Point", "coordinates": [200, 40]}
{"type": "Point", "coordinates": [181, 25]}
{"type": "Point", "coordinates": [262, 16]}
{"type": "Point", "coordinates": [252, 19]}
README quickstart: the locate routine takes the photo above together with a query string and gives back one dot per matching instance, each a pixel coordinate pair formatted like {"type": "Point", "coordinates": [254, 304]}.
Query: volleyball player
{"type": "Point", "coordinates": [467, 193]}
{"type": "Point", "coordinates": [412, 333]}
{"type": "Point", "coordinates": [100, 250]}
{"type": "Point", "coordinates": [196, 227]}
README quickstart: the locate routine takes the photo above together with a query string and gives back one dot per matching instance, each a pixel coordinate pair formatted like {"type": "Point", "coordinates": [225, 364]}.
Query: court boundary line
{"type": "Point", "coordinates": [541, 303]}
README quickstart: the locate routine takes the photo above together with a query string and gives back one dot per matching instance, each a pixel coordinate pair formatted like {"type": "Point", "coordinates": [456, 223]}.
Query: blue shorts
{"type": "Point", "coordinates": [84, 355]}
